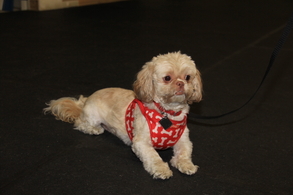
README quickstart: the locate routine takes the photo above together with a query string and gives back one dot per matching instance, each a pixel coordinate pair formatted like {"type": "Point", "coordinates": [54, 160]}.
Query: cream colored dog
{"type": "Point", "coordinates": [151, 117]}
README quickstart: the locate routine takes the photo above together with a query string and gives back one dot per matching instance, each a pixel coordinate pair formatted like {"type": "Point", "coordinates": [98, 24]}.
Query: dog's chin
{"type": "Point", "coordinates": [179, 98]}
{"type": "Point", "coordinates": [175, 98]}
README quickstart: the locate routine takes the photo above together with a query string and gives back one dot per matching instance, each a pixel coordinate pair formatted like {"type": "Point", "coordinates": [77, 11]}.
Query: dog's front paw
{"type": "Point", "coordinates": [162, 171]}
{"type": "Point", "coordinates": [184, 166]}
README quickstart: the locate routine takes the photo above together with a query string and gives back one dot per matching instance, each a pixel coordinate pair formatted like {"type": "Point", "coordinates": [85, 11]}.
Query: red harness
{"type": "Point", "coordinates": [161, 138]}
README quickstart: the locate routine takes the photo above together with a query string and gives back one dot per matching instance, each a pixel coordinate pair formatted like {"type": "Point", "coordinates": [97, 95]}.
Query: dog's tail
{"type": "Point", "coordinates": [67, 109]}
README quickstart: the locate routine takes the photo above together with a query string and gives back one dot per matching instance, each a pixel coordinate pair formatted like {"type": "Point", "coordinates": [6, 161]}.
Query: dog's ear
{"type": "Point", "coordinates": [143, 86]}
{"type": "Point", "coordinates": [197, 89]}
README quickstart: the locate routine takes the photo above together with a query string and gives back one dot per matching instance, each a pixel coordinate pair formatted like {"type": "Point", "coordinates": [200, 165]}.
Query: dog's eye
{"type": "Point", "coordinates": [187, 77]}
{"type": "Point", "coordinates": [167, 78]}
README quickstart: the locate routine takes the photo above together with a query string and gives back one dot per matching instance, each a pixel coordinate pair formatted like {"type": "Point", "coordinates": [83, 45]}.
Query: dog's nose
{"type": "Point", "coordinates": [179, 83]}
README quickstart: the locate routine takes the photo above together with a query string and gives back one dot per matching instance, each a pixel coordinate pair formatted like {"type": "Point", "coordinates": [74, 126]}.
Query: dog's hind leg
{"type": "Point", "coordinates": [85, 126]}
{"type": "Point", "coordinates": [73, 110]}
{"type": "Point", "coordinates": [90, 120]}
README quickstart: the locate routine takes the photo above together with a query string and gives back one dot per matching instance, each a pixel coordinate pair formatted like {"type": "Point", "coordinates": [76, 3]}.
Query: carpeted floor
{"type": "Point", "coordinates": [52, 54]}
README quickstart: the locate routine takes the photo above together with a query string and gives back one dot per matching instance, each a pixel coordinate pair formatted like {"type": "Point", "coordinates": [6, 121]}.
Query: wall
{"type": "Point", "coordinates": [41, 5]}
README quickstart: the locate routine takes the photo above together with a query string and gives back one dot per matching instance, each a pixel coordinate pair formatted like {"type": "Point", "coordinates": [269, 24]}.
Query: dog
{"type": "Point", "coordinates": [151, 117]}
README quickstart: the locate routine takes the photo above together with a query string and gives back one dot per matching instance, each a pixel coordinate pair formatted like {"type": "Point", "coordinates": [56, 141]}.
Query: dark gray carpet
{"type": "Point", "coordinates": [47, 55]}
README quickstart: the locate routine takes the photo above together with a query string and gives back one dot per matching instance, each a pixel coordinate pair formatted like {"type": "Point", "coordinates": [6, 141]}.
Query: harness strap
{"type": "Point", "coordinates": [161, 138]}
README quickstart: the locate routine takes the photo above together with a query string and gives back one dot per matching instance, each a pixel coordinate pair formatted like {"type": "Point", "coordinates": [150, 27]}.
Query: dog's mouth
{"type": "Point", "coordinates": [175, 97]}
{"type": "Point", "coordinates": [181, 92]}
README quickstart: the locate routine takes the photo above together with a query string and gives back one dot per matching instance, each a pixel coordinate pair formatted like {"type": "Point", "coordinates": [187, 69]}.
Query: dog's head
{"type": "Point", "coordinates": [169, 78]}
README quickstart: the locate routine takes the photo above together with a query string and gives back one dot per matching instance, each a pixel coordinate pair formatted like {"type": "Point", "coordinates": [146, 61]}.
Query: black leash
{"type": "Point", "coordinates": [288, 28]}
